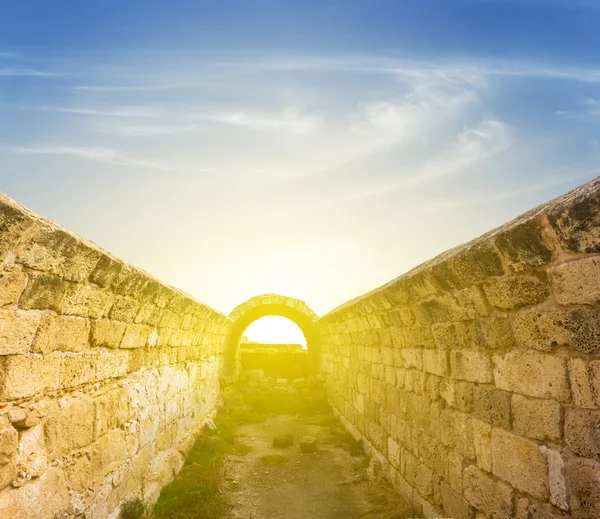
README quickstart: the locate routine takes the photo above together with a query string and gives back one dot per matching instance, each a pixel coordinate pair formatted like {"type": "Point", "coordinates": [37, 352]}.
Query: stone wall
{"type": "Point", "coordinates": [288, 361]}
{"type": "Point", "coordinates": [106, 374]}
{"type": "Point", "coordinates": [475, 378]}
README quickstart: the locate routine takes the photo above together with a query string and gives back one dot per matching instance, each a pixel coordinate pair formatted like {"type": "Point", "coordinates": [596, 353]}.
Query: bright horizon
{"type": "Point", "coordinates": [316, 151]}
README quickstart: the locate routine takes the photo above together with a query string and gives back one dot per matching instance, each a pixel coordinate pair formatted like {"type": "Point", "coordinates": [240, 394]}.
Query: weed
{"type": "Point", "coordinates": [134, 509]}
{"type": "Point", "coordinates": [273, 459]}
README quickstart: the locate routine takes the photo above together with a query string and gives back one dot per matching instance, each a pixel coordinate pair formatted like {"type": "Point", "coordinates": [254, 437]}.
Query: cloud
{"type": "Point", "coordinates": [144, 130]}
{"type": "Point", "coordinates": [17, 72]}
{"type": "Point", "coordinates": [103, 155]}
{"type": "Point", "coordinates": [121, 88]}
{"type": "Point", "coordinates": [119, 112]}
{"type": "Point", "coordinates": [446, 204]}
{"type": "Point", "coordinates": [288, 119]}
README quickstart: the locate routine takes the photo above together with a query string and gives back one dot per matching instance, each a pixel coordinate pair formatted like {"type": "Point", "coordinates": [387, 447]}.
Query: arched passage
{"type": "Point", "coordinates": [267, 305]}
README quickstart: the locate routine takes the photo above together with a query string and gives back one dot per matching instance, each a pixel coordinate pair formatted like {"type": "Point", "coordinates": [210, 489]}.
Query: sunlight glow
{"type": "Point", "coordinates": [275, 330]}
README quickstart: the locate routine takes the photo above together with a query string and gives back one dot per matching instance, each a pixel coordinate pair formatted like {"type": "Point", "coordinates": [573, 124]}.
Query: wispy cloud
{"type": "Point", "coordinates": [144, 130]}
{"type": "Point", "coordinates": [132, 112]}
{"type": "Point", "coordinates": [446, 204]}
{"type": "Point", "coordinates": [288, 119]}
{"type": "Point", "coordinates": [16, 72]}
{"type": "Point", "coordinates": [104, 155]}
{"type": "Point", "coordinates": [121, 88]}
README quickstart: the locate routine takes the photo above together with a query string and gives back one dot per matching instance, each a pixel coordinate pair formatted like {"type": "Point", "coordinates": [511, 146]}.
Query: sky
{"type": "Point", "coordinates": [313, 149]}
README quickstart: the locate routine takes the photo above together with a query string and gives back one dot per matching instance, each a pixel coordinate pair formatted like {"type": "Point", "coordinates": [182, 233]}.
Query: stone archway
{"type": "Point", "coordinates": [271, 305]}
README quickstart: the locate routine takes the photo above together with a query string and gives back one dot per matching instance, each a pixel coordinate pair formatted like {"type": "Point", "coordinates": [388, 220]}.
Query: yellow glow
{"type": "Point", "coordinates": [275, 330]}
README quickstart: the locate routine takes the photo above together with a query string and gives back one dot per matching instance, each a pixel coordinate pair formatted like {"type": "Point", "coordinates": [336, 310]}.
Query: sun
{"type": "Point", "coordinates": [275, 330]}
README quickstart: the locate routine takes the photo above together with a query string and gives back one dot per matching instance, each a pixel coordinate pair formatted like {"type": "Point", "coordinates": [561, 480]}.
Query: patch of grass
{"type": "Point", "coordinates": [273, 459]}
{"type": "Point", "coordinates": [134, 509]}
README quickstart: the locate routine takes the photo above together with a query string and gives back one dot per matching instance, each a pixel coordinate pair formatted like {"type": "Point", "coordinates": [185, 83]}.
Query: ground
{"type": "Point", "coordinates": [234, 472]}
{"type": "Point", "coordinates": [328, 484]}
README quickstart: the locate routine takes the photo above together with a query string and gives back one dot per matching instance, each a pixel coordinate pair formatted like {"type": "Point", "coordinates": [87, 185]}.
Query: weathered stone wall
{"type": "Point", "coordinates": [476, 376]}
{"type": "Point", "coordinates": [105, 374]}
{"type": "Point", "coordinates": [276, 360]}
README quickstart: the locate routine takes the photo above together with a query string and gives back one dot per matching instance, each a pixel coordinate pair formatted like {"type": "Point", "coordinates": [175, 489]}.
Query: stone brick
{"type": "Point", "coordinates": [577, 282]}
{"type": "Point", "coordinates": [123, 309]}
{"type": "Point", "coordinates": [418, 336]}
{"type": "Point", "coordinates": [475, 263]}
{"type": "Point", "coordinates": [85, 301]}
{"type": "Point", "coordinates": [471, 365]}
{"type": "Point", "coordinates": [8, 443]}
{"type": "Point", "coordinates": [576, 219]}
{"type": "Point", "coordinates": [31, 456]}
{"type": "Point", "coordinates": [482, 438]}
{"type": "Point", "coordinates": [107, 333]}
{"type": "Point", "coordinates": [582, 431]}
{"type": "Point", "coordinates": [486, 493]}
{"type": "Point", "coordinates": [435, 361]}
{"type": "Point", "coordinates": [532, 374]}
{"type": "Point", "coordinates": [585, 382]}
{"type": "Point", "coordinates": [111, 364]}
{"type": "Point", "coordinates": [546, 330]}
{"type": "Point", "coordinates": [454, 505]}
{"type": "Point", "coordinates": [452, 336]}
{"type": "Point", "coordinates": [493, 334]}
{"type": "Point", "coordinates": [456, 432]}
{"type": "Point", "coordinates": [12, 284]}
{"type": "Point", "coordinates": [14, 221]}
{"type": "Point", "coordinates": [584, 476]}
{"type": "Point", "coordinates": [77, 369]}
{"type": "Point", "coordinates": [557, 477]}
{"type": "Point", "coordinates": [17, 330]}
{"type": "Point", "coordinates": [455, 466]}
{"type": "Point", "coordinates": [58, 252]}
{"type": "Point", "coordinates": [524, 245]}
{"type": "Point", "coordinates": [61, 333]}
{"type": "Point", "coordinates": [418, 475]}
{"type": "Point", "coordinates": [393, 453]}
{"type": "Point", "coordinates": [69, 428]}
{"type": "Point", "coordinates": [519, 462]}
{"type": "Point", "coordinates": [43, 292]}
{"type": "Point", "coordinates": [515, 291]}
{"type": "Point", "coordinates": [22, 376]}
{"type": "Point", "coordinates": [105, 271]}
{"type": "Point", "coordinates": [537, 419]}
{"type": "Point", "coordinates": [492, 405]}
{"type": "Point", "coordinates": [40, 498]}
{"type": "Point", "coordinates": [412, 358]}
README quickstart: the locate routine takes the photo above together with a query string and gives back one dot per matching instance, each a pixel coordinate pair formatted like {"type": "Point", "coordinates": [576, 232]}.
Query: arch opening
{"type": "Point", "coordinates": [274, 330]}
{"type": "Point", "coordinates": [267, 305]}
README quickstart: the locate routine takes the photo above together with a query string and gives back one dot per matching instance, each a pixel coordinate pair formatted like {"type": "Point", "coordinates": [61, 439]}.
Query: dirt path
{"type": "Point", "coordinates": [328, 484]}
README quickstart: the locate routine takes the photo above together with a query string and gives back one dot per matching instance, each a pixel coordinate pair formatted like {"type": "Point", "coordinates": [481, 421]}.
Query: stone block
{"type": "Point", "coordinates": [123, 309]}
{"type": "Point", "coordinates": [471, 365]}
{"type": "Point", "coordinates": [69, 428]}
{"type": "Point", "coordinates": [532, 374]}
{"type": "Point", "coordinates": [417, 474]}
{"type": "Point", "coordinates": [456, 432]}
{"type": "Point", "coordinates": [418, 336]}
{"type": "Point", "coordinates": [85, 301]}
{"type": "Point", "coordinates": [412, 358]}
{"type": "Point", "coordinates": [108, 334]}
{"type": "Point", "coordinates": [453, 336]}
{"type": "Point", "coordinates": [111, 364]}
{"type": "Point", "coordinates": [454, 473]}
{"type": "Point", "coordinates": [545, 330]}
{"type": "Point", "coordinates": [40, 498]}
{"type": "Point", "coordinates": [582, 431]}
{"type": "Point", "coordinates": [454, 505]}
{"type": "Point", "coordinates": [136, 336]}
{"type": "Point", "coordinates": [584, 477]}
{"type": "Point", "coordinates": [576, 219]}
{"type": "Point", "coordinates": [43, 292]}
{"type": "Point", "coordinates": [515, 291]}
{"type": "Point", "coordinates": [17, 330]}
{"type": "Point", "coordinates": [12, 284]}
{"type": "Point", "coordinates": [14, 221]}
{"type": "Point", "coordinates": [520, 462]}
{"type": "Point", "coordinates": [8, 443]}
{"type": "Point", "coordinates": [436, 362]}
{"type": "Point", "coordinates": [558, 482]}
{"type": "Point", "coordinates": [524, 245]}
{"type": "Point", "coordinates": [537, 419]}
{"type": "Point", "coordinates": [31, 455]}
{"type": "Point", "coordinates": [394, 453]}
{"type": "Point", "coordinates": [77, 369]}
{"type": "Point", "coordinates": [482, 438]}
{"type": "Point", "coordinates": [486, 493]}
{"type": "Point", "coordinates": [494, 333]}
{"type": "Point", "coordinates": [476, 263]}
{"type": "Point", "coordinates": [577, 282]}
{"type": "Point", "coordinates": [585, 382]}
{"type": "Point", "coordinates": [22, 376]}
{"type": "Point", "coordinates": [492, 405]}
{"type": "Point", "coordinates": [105, 271]}
{"type": "Point", "coordinates": [61, 333]}
{"type": "Point", "coordinates": [60, 253]}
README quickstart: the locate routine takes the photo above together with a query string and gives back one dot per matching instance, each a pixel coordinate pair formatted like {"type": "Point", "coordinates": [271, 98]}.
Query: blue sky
{"type": "Point", "coordinates": [317, 149]}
